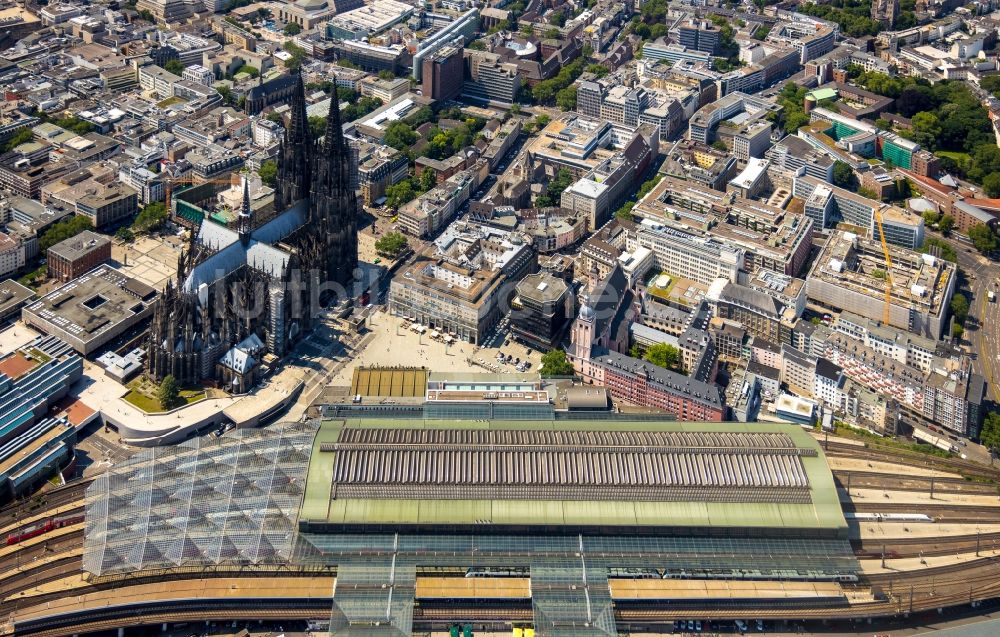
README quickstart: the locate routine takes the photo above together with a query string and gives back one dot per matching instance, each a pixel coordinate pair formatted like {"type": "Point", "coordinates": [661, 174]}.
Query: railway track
{"type": "Point", "coordinates": [42, 501]}
{"type": "Point", "coordinates": [926, 546]}
{"type": "Point", "coordinates": [943, 512]}
{"type": "Point", "coordinates": [876, 480]}
{"type": "Point", "coordinates": [39, 575]}
{"type": "Point", "coordinates": [890, 454]}
{"type": "Point", "coordinates": [28, 554]}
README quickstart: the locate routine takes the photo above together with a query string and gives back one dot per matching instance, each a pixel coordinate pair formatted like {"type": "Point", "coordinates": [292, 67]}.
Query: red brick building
{"type": "Point", "coordinates": [77, 255]}
{"type": "Point", "coordinates": [645, 384]}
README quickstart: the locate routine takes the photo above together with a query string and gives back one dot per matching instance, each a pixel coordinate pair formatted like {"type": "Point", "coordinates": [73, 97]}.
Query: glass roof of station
{"type": "Point", "coordinates": [229, 500]}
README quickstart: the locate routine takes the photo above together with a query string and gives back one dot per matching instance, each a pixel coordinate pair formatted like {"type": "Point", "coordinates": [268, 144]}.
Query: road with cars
{"type": "Point", "coordinates": [983, 324]}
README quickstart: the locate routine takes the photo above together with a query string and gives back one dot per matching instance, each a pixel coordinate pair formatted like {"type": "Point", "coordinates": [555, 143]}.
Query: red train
{"type": "Point", "coordinates": [42, 528]}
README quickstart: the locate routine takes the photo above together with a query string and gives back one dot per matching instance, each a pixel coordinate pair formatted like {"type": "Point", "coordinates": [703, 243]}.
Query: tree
{"type": "Point", "coordinates": [566, 98]}
{"type": "Point", "coordinates": [597, 69]}
{"type": "Point", "coordinates": [991, 184]}
{"type": "Point", "coordinates": [400, 135]}
{"type": "Point", "coordinates": [869, 194]}
{"type": "Point", "coordinates": [843, 175]}
{"type": "Point", "coordinates": [151, 219]}
{"type": "Point", "coordinates": [20, 137]}
{"type": "Point", "coordinates": [64, 230]}
{"type": "Point", "coordinates": [317, 126]}
{"type": "Point", "coordinates": [625, 212]}
{"type": "Point", "coordinates": [515, 109]}
{"type": "Point", "coordinates": [125, 235]}
{"type": "Point", "coordinates": [933, 245]}
{"type": "Point", "coordinates": [168, 393]}
{"type": "Point", "coordinates": [75, 124]}
{"type": "Point", "coordinates": [292, 28]}
{"type": "Point", "coordinates": [959, 307]}
{"type": "Point", "coordinates": [913, 100]}
{"type": "Point", "coordinates": [428, 179]}
{"type": "Point", "coordinates": [554, 363]}
{"type": "Point", "coordinates": [552, 33]}
{"type": "Point", "coordinates": [174, 66]}
{"type": "Point", "coordinates": [268, 173]}
{"type": "Point", "coordinates": [556, 185]}
{"type": "Point", "coordinates": [298, 55]}
{"type": "Point", "coordinates": [557, 19]}
{"type": "Point", "coordinates": [274, 117]}
{"type": "Point", "coordinates": [147, 15]}
{"type": "Point", "coordinates": [345, 94]}
{"type": "Point", "coordinates": [398, 194]}
{"type": "Point", "coordinates": [719, 145]}
{"type": "Point", "coordinates": [386, 75]}
{"type": "Point", "coordinates": [883, 124]}
{"type": "Point", "coordinates": [252, 71]}
{"type": "Point", "coordinates": [989, 435]}
{"type": "Point", "coordinates": [391, 244]}
{"type": "Point", "coordinates": [926, 129]}
{"type": "Point", "coordinates": [957, 330]}
{"type": "Point", "coordinates": [983, 238]}
{"type": "Point", "coordinates": [664, 355]}
{"type": "Point", "coordinates": [945, 225]}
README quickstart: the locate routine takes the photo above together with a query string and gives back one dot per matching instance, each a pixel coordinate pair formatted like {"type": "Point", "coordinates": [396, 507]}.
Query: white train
{"type": "Point", "coordinates": [889, 517]}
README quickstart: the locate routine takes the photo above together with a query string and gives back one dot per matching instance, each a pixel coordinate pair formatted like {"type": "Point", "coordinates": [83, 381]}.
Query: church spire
{"type": "Point", "coordinates": [333, 141]}
{"type": "Point", "coordinates": [296, 153]}
{"type": "Point", "coordinates": [245, 225]}
{"type": "Point", "coordinates": [332, 201]}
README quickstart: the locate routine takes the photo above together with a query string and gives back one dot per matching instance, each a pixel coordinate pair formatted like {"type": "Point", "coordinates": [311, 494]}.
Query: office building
{"type": "Point", "coordinates": [540, 311]}
{"type": "Point", "coordinates": [77, 255]}
{"type": "Point", "coordinates": [460, 283]}
{"type": "Point", "coordinates": [443, 73]}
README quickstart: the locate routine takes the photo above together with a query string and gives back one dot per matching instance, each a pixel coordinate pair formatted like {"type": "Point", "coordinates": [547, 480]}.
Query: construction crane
{"type": "Point", "coordinates": [888, 268]}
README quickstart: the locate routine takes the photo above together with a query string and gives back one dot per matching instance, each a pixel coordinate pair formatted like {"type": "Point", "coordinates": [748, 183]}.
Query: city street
{"type": "Point", "coordinates": [983, 324]}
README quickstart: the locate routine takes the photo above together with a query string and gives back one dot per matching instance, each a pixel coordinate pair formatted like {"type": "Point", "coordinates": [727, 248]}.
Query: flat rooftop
{"type": "Point", "coordinates": [858, 264]}
{"type": "Point", "coordinates": [12, 294]}
{"type": "Point", "coordinates": [79, 245]}
{"type": "Point", "coordinates": [88, 307]}
{"type": "Point", "coordinates": [374, 473]}
{"type": "Point", "coordinates": [389, 382]}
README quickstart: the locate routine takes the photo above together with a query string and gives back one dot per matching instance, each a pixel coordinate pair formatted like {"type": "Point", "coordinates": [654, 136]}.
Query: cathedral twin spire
{"type": "Point", "coordinates": [321, 172]}
{"type": "Point", "coordinates": [303, 165]}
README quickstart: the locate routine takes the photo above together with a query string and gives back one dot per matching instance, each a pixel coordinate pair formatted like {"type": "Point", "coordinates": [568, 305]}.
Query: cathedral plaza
{"type": "Point", "coordinates": [393, 343]}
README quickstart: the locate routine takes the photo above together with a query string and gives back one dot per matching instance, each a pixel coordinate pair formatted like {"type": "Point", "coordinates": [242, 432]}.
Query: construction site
{"type": "Point", "coordinates": [851, 274]}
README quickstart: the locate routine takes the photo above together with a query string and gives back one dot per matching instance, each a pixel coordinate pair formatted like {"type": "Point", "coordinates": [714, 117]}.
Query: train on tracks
{"type": "Point", "coordinates": [888, 517]}
{"type": "Point", "coordinates": [42, 528]}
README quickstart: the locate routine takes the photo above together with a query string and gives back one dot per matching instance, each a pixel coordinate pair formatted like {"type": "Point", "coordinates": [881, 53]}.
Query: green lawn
{"type": "Point", "coordinates": [663, 293]}
{"type": "Point", "coordinates": [39, 356]}
{"type": "Point", "coordinates": [143, 395]}
{"type": "Point", "coordinates": [958, 156]}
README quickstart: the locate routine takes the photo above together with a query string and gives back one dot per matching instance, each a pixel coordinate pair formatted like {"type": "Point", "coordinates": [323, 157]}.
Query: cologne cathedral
{"type": "Point", "coordinates": [243, 293]}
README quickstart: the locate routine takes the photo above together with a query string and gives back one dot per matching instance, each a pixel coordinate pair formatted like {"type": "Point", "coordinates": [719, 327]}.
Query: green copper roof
{"type": "Point", "coordinates": [819, 510]}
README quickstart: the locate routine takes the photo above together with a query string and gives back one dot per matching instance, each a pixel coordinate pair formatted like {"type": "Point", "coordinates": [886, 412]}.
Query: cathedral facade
{"type": "Point", "coordinates": [241, 294]}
